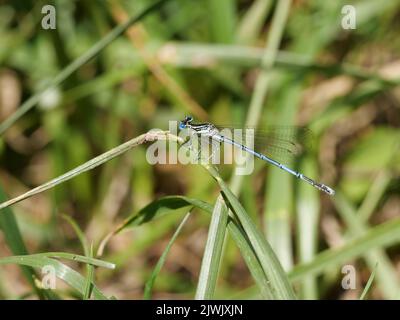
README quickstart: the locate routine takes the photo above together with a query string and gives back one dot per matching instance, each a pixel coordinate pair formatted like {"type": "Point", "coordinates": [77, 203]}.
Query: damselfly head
{"type": "Point", "coordinates": [183, 124]}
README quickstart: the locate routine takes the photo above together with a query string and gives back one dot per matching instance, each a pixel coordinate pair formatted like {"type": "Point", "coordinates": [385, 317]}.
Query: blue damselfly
{"type": "Point", "coordinates": [213, 132]}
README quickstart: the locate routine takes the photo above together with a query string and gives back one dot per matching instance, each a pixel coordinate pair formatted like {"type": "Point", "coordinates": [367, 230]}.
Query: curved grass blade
{"type": "Point", "coordinates": [152, 211]}
{"type": "Point", "coordinates": [383, 235]}
{"type": "Point", "coordinates": [93, 163]}
{"type": "Point", "coordinates": [63, 272]}
{"type": "Point", "coordinates": [386, 276]}
{"type": "Point", "coordinates": [213, 252]}
{"type": "Point", "coordinates": [78, 232]}
{"type": "Point", "coordinates": [149, 284]}
{"type": "Point", "coordinates": [374, 195]}
{"type": "Point", "coordinates": [88, 252]}
{"type": "Point", "coordinates": [250, 257]}
{"type": "Point", "coordinates": [161, 207]}
{"type": "Point", "coordinates": [169, 205]}
{"type": "Point", "coordinates": [75, 257]}
{"type": "Point", "coordinates": [369, 283]}
{"type": "Point", "coordinates": [13, 238]}
{"type": "Point", "coordinates": [272, 268]}
{"type": "Point", "coordinates": [253, 20]}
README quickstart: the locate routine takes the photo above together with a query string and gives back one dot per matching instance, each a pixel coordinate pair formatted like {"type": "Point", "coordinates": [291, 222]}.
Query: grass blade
{"type": "Point", "coordinates": [152, 211]}
{"type": "Point", "coordinates": [252, 21]}
{"type": "Point", "coordinates": [263, 81]}
{"type": "Point", "coordinates": [75, 257]}
{"type": "Point", "coordinates": [383, 235]}
{"type": "Point", "coordinates": [278, 194]}
{"type": "Point", "coordinates": [387, 275]}
{"type": "Point", "coordinates": [369, 283]}
{"type": "Point", "coordinates": [186, 54]}
{"type": "Point", "coordinates": [308, 210]}
{"type": "Point", "coordinates": [374, 195]}
{"type": "Point", "coordinates": [171, 204]}
{"type": "Point", "coordinates": [93, 163]}
{"type": "Point", "coordinates": [88, 253]}
{"type": "Point", "coordinates": [212, 252]}
{"type": "Point", "coordinates": [89, 276]}
{"type": "Point", "coordinates": [222, 20]}
{"type": "Point", "coordinates": [12, 234]}
{"type": "Point", "coordinates": [63, 272]}
{"type": "Point", "coordinates": [79, 233]}
{"type": "Point", "coordinates": [272, 268]}
{"type": "Point", "coordinates": [149, 284]}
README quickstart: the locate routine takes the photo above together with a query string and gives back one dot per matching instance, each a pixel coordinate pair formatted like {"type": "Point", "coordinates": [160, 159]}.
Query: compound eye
{"type": "Point", "coordinates": [189, 118]}
{"type": "Point", "coordinates": [182, 125]}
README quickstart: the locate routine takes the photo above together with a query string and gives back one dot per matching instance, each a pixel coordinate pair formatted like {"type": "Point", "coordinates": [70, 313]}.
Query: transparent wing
{"type": "Point", "coordinates": [281, 143]}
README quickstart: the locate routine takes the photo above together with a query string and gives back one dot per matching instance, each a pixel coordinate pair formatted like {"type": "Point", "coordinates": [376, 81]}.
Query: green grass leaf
{"type": "Point", "coordinates": [88, 253]}
{"type": "Point", "coordinates": [171, 204]}
{"type": "Point", "coordinates": [386, 275]}
{"type": "Point", "coordinates": [63, 272]}
{"type": "Point", "coordinates": [79, 233]}
{"type": "Point", "coordinates": [252, 21]}
{"type": "Point", "coordinates": [152, 211]}
{"type": "Point", "coordinates": [272, 268]}
{"type": "Point", "coordinates": [383, 235]}
{"type": "Point", "coordinates": [12, 235]}
{"type": "Point", "coordinates": [212, 252]}
{"type": "Point", "coordinates": [369, 283]}
{"type": "Point", "coordinates": [222, 19]}
{"type": "Point", "coordinates": [150, 282]}
{"type": "Point", "coordinates": [160, 208]}
{"type": "Point", "coordinates": [93, 163]}
{"type": "Point", "coordinates": [89, 276]}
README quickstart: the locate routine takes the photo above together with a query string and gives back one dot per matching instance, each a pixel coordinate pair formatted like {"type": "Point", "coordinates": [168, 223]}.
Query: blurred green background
{"type": "Point", "coordinates": [222, 61]}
